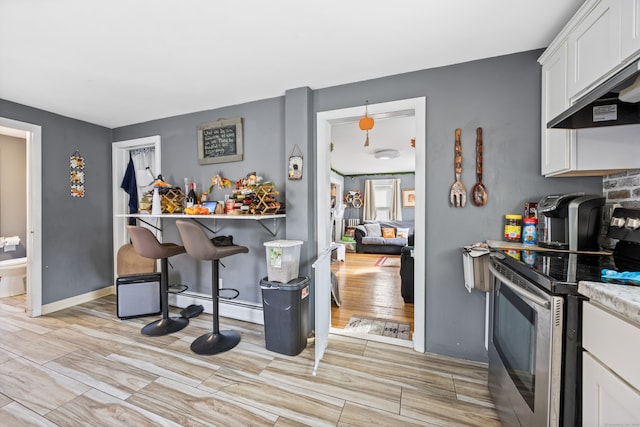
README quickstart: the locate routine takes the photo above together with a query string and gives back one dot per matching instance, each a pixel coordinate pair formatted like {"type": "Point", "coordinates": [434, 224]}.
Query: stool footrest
{"type": "Point", "coordinates": [177, 289]}
{"type": "Point", "coordinates": [204, 297]}
{"type": "Point", "coordinates": [237, 293]}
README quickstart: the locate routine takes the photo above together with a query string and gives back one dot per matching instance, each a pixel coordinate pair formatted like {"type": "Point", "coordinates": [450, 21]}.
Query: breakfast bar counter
{"type": "Point", "coordinates": [263, 220]}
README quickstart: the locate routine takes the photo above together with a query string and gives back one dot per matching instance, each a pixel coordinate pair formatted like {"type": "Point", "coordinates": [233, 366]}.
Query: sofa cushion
{"type": "Point", "coordinates": [373, 229]}
{"type": "Point", "coordinates": [388, 232]}
{"type": "Point", "coordinates": [395, 241]}
{"type": "Point", "coordinates": [402, 232]}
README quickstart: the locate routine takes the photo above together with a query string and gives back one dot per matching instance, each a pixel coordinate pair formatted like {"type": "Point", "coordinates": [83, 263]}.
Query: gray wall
{"type": "Point", "coordinates": [264, 153]}
{"type": "Point", "coordinates": [77, 233]}
{"type": "Point", "coordinates": [301, 218]}
{"type": "Point", "coordinates": [501, 95]}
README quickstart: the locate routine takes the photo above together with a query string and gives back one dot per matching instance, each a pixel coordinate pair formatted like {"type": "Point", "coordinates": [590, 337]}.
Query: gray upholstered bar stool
{"type": "Point", "coordinates": [199, 246]}
{"type": "Point", "coordinates": [146, 245]}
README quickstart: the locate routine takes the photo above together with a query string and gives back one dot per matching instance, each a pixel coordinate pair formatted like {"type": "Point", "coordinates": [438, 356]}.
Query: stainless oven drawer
{"type": "Point", "coordinates": [525, 350]}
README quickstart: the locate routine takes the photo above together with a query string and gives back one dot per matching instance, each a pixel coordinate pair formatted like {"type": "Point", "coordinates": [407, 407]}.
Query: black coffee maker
{"type": "Point", "coordinates": [570, 221]}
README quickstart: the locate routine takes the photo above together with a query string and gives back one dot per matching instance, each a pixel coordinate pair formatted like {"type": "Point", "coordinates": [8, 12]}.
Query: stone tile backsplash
{"type": "Point", "coordinates": [622, 188]}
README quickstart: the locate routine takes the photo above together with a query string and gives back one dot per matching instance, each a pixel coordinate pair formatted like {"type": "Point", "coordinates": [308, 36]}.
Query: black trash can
{"type": "Point", "coordinates": [286, 315]}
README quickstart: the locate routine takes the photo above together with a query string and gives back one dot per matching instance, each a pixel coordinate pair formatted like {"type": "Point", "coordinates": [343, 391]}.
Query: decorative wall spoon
{"type": "Point", "coordinates": [479, 191]}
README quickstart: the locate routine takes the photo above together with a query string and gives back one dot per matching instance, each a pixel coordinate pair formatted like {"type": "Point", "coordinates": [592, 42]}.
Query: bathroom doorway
{"type": "Point", "coordinates": [32, 135]}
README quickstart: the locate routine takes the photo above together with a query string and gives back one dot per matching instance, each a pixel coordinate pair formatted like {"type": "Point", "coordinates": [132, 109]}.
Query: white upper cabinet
{"type": "Point", "coordinates": [557, 144]}
{"type": "Point", "coordinates": [594, 46]}
{"type": "Point", "coordinates": [630, 25]}
{"type": "Point", "coordinates": [554, 78]}
{"type": "Point", "coordinates": [597, 42]}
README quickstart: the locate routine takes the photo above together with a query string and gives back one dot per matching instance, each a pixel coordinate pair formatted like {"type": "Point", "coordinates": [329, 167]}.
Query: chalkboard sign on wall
{"type": "Point", "coordinates": [220, 141]}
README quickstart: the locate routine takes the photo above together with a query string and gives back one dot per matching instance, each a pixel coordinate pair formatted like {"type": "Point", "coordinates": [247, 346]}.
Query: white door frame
{"type": "Point", "coordinates": [119, 161]}
{"type": "Point", "coordinates": [323, 138]}
{"type": "Point", "coordinates": [33, 135]}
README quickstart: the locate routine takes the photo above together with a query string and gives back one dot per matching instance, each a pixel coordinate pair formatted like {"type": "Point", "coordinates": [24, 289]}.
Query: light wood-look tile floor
{"type": "Point", "coordinates": [369, 290]}
{"type": "Point", "coordinates": [83, 366]}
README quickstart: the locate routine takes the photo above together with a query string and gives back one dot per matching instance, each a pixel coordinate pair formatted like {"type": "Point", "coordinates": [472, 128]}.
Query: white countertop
{"type": "Point", "coordinates": [621, 299]}
{"type": "Point", "coordinates": [210, 216]}
{"type": "Point", "coordinates": [259, 219]}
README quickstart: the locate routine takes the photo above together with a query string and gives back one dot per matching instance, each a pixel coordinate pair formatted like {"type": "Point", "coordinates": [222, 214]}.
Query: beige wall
{"type": "Point", "coordinates": [13, 185]}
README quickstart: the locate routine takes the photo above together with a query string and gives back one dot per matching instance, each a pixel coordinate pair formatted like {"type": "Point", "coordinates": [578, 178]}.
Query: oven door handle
{"type": "Point", "coordinates": [519, 290]}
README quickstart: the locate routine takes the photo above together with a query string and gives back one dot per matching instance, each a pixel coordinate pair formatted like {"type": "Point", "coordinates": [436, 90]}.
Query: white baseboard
{"type": "Point", "coordinates": [78, 299]}
{"type": "Point", "coordinates": [232, 309]}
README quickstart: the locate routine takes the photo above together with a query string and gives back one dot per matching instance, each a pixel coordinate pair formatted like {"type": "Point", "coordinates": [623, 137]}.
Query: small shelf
{"type": "Point", "coordinates": [268, 221]}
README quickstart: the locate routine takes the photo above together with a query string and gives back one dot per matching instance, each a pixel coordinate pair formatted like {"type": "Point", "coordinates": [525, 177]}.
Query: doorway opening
{"type": "Point", "coordinates": [32, 134]}
{"type": "Point", "coordinates": [370, 273]}
{"type": "Point", "coordinates": [121, 154]}
{"type": "Point", "coordinates": [325, 121]}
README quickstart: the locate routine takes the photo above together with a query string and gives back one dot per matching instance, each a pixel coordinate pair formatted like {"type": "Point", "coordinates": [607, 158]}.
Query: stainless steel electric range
{"type": "Point", "coordinates": [535, 363]}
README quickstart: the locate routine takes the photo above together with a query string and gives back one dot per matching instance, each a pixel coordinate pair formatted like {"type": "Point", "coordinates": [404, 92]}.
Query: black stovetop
{"type": "Point", "coordinates": [560, 272]}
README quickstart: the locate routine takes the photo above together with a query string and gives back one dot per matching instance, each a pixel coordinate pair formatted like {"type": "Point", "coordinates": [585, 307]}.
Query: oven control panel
{"type": "Point", "coordinates": [625, 225]}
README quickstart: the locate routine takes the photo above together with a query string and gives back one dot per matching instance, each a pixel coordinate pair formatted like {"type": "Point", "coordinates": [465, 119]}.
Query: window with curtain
{"type": "Point", "coordinates": [382, 200]}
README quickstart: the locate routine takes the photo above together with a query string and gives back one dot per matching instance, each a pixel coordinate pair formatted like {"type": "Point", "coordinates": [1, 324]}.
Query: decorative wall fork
{"type": "Point", "coordinates": [458, 194]}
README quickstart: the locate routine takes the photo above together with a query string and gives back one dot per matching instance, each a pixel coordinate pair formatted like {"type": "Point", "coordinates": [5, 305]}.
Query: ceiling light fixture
{"type": "Point", "coordinates": [366, 123]}
{"type": "Point", "coordinates": [386, 154]}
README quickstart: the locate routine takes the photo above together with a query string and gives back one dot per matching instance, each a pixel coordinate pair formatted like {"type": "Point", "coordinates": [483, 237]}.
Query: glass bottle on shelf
{"type": "Point", "coordinates": [192, 199]}
{"type": "Point", "coordinates": [187, 185]}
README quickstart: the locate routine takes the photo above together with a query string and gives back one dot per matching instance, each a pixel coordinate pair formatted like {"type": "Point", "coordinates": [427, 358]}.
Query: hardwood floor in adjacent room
{"type": "Point", "coordinates": [83, 366]}
{"type": "Point", "coordinates": [369, 290]}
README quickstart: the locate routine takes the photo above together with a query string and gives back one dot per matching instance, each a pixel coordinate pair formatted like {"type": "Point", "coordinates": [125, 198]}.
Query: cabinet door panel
{"type": "Point", "coordinates": [606, 399]}
{"type": "Point", "coordinates": [630, 25]}
{"type": "Point", "coordinates": [594, 46]}
{"type": "Point", "coordinates": [555, 83]}
{"type": "Point", "coordinates": [556, 143]}
{"type": "Point", "coordinates": [618, 350]}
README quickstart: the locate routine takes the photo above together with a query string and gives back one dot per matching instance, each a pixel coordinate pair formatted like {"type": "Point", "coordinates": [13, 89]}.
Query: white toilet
{"type": "Point", "coordinates": [13, 277]}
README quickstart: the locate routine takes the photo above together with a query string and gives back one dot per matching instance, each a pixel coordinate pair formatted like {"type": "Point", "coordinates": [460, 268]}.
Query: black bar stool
{"type": "Point", "coordinates": [199, 246]}
{"type": "Point", "coordinates": [146, 245]}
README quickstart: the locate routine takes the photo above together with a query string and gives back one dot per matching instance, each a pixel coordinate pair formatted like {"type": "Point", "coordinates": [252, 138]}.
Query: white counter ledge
{"type": "Point", "coordinates": [621, 299]}
{"type": "Point", "coordinates": [260, 219]}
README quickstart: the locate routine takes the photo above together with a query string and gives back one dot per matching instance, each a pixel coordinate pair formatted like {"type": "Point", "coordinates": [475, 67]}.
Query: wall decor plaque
{"type": "Point", "coordinates": [220, 141]}
{"type": "Point", "coordinates": [409, 198]}
{"type": "Point", "coordinates": [295, 163]}
{"type": "Point", "coordinates": [76, 174]}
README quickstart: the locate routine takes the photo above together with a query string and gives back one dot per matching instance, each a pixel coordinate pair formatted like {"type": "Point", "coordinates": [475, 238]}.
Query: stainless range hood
{"type": "Point", "coordinates": [605, 105]}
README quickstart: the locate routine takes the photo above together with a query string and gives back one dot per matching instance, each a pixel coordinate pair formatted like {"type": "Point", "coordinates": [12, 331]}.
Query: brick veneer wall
{"type": "Point", "coordinates": [622, 188]}
{"type": "Point", "coordinates": [619, 188]}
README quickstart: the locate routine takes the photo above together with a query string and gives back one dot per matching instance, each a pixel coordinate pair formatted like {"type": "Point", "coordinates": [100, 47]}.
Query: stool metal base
{"type": "Point", "coordinates": [165, 326]}
{"type": "Point", "coordinates": [214, 343]}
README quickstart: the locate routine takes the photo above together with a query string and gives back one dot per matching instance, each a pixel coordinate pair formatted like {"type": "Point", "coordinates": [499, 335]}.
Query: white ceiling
{"type": "Point", "coordinates": [351, 157]}
{"type": "Point", "coordinates": [121, 62]}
